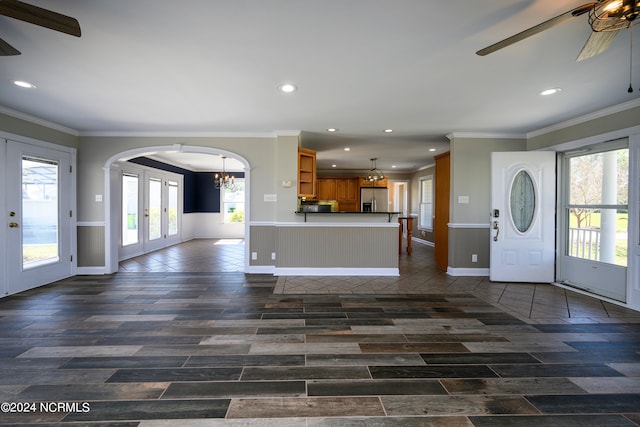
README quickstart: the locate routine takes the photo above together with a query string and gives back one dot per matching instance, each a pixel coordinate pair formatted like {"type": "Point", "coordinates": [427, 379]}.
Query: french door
{"type": "Point", "coordinates": [38, 215]}
{"type": "Point", "coordinates": [151, 210]}
{"type": "Point", "coordinates": [523, 216]}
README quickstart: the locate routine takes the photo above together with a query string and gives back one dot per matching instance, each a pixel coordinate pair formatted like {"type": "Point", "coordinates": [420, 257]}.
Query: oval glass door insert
{"type": "Point", "coordinates": [523, 201]}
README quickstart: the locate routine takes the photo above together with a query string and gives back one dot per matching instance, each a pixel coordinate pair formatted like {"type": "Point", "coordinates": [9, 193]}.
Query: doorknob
{"type": "Point", "coordinates": [13, 225]}
{"type": "Point", "coordinates": [146, 212]}
{"type": "Point", "coordinates": [496, 226]}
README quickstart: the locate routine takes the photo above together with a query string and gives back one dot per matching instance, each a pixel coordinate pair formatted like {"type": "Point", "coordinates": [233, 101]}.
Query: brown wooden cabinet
{"type": "Point", "coordinates": [326, 189]}
{"type": "Point", "coordinates": [306, 173]}
{"type": "Point", "coordinates": [383, 183]}
{"type": "Point", "coordinates": [344, 190]}
{"type": "Point", "coordinates": [348, 194]}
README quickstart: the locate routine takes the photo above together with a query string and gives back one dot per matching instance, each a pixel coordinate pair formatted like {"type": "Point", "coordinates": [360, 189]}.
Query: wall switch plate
{"type": "Point", "coordinates": [270, 197]}
{"type": "Point", "coordinates": [273, 256]}
{"type": "Point", "coordinates": [98, 197]}
{"type": "Point", "coordinates": [463, 200]}
{"type": "Point", "coordinates": [474, 257]}
{"type": "Point", "coordinates": [254, 255]}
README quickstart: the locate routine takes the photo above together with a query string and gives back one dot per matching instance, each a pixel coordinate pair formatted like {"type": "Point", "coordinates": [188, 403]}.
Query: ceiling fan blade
{"type": "Point", "coordinates": [597, 43]}
{"type": "Point", "coordinates": [39, 16]}
{"type": "Point", "coordinates": [7, 50]}
{"type": "Point", "coordinates": [580, 10]}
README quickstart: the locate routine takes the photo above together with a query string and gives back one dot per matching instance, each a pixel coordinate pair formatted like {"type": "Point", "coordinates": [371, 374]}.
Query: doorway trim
{"type": "Point", "coordinates": [111, 208]}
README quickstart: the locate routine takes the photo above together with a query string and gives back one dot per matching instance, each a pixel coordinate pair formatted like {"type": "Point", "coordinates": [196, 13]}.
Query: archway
{"type": "Point", "coordinates": [111, 191]}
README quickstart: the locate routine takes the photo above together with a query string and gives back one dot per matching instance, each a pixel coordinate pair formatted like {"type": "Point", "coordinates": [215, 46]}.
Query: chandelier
{"type": "Point", "coordinates": [374, 174]}
{"type": "Point", "coordinates": [224, 180]}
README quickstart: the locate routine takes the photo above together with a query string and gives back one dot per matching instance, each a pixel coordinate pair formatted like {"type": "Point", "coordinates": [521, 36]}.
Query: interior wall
{"type": "Point", "coordinates": [470, 200]}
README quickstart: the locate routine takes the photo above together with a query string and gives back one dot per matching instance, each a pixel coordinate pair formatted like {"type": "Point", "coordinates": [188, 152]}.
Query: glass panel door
{"type": "Point", "coordinates": [39, 212]}
{"type": "Point", "coordinates": [595, 221]}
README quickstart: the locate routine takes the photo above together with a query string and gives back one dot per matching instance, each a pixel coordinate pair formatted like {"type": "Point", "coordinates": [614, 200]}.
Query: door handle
{"type": "Point", "coordinates": [13, 225]}
{"type": "Point", "coordinates": [146, 213]}
{"type": "Point", "coordinates": [496, 226]}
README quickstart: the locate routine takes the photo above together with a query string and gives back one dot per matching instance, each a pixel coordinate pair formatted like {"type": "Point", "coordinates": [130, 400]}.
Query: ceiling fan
{"type": "Point", "coordinates": [606, 18]}
{"type": "Point", "coordinates": [37, 16]}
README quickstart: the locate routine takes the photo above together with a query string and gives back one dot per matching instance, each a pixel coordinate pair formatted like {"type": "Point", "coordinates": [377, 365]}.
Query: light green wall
{"type": "Point", "coordinates": [606, 124]}
{"type": "Point", "coordinates": [471, 176]}
{"type": "Point", "coordinates": [261, 153]}
{"type": "Point", "coordinates": [40, 132]}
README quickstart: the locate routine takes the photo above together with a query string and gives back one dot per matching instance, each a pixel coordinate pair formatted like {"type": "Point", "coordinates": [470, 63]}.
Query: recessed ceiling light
{"type": "Point", "coordinates": [432, 149]}
{"type": "Point", "coordinates": [288, 87]}
{"type": "Point", "coordinates": [332, 130]}
{"type": "Point", "coordinates": [334, 166]}
{"type": "Point", "coordinates": [393, 166]}
{"type": "Point", "coordinates": [23, 84]}
{"type": "Point", "coordinates": [388, 130]}
{"type": "Point", "coordinates": [551, 91]}
{"type": "Point", "coordinates": [347, 149]}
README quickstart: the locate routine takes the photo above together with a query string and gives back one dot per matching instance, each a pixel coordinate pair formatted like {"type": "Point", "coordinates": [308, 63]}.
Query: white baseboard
{"type": "Point", "coordinates": [422, 241]}
{"type": "Point", "coordinates": [467, 271]}
{"type": "Point", "coordinates": [261, 269]}
{"type": "Point", "coordinates": [303, 271]}
{"type": "Point", "coordinates": [91, 271]}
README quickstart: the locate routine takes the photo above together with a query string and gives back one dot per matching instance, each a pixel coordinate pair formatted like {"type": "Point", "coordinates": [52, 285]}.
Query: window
{"type": "Point", "coordinates": [172, 212]}
{"type": "Point", "coordinates": [233, 202]}
{"type": "Point", "coordinates": [426, 203]}
{"type": "Point", "coordinates": [129, 209]}
{"type": "Point", "coordinates": [597, 212]}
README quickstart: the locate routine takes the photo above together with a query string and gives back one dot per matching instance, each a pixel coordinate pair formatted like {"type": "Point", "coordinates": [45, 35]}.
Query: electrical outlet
{"type": "Point", "coordinates": [254, 255]}
{"type": "Point", "coordinates": [273, 256]}
{"type": "Point", "coordinates": [474, 257]}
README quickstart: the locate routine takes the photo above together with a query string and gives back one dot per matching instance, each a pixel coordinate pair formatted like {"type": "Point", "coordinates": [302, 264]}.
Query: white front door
{"type": "Point", "coordinates": [38, 216]}
{"type": "Point", "coordinates": [523, 197]}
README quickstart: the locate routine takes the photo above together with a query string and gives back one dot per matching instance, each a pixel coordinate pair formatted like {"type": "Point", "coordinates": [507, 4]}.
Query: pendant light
{"type": "Point", "coordinates": [374, 174]}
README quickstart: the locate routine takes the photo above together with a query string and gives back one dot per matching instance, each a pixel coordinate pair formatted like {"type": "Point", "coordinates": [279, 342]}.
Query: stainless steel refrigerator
{"type": "Point", "coordinates": [374, 199]}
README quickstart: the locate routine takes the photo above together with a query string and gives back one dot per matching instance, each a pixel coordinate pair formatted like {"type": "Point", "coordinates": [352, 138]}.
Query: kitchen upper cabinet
{"type": "Point", "coordinates": [326, 189]}
{"type": "Point", "coordinates": [377, 184]}
{"type": "Point", "coordinates": [306, 173]}
{"type": "Point", "coordinates": [344, 190]}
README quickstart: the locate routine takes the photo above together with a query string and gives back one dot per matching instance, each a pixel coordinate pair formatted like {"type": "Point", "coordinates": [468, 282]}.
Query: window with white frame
{"type": "Point", "coordinates": [233, 202]}
{"type": "Point", "coordinates": [425, 221]}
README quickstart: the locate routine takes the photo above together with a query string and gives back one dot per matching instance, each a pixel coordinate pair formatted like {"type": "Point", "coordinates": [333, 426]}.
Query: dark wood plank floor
{"type": "Point", "coordinates": [222, 349]}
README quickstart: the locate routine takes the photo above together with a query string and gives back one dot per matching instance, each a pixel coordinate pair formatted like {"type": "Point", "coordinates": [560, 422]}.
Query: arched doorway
{"type": "Point", "coordinates": [112, 194]}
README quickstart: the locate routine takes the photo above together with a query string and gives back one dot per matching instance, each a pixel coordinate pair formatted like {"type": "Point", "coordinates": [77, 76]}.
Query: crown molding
{"type": "Point", "coordinates": [37, 121]}
{"type": "Point", "coordinates": [178, 134]}
{"type": "Point", "coordinates": [585, 118]}
{"type": "Point", "coordinates": [487, 135]}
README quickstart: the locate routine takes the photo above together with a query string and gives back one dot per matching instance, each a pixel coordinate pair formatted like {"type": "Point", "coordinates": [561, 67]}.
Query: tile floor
{"type": "Point", "coordinates": [174, 340]}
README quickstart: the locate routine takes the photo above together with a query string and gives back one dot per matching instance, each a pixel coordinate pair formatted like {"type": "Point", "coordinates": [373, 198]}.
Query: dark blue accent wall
{"type": "Point", "coordinates": [199, 193]}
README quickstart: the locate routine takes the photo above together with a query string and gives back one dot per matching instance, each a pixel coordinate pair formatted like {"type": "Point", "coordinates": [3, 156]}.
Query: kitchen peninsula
{"type": "Point", "coordinates": [339, 244]}
{"type": "Point", "coordinates": [338, 233]}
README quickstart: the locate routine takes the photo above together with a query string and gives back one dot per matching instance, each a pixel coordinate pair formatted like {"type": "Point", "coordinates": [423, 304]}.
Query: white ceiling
{"type": "Point", "coordinates": [213, 66]}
